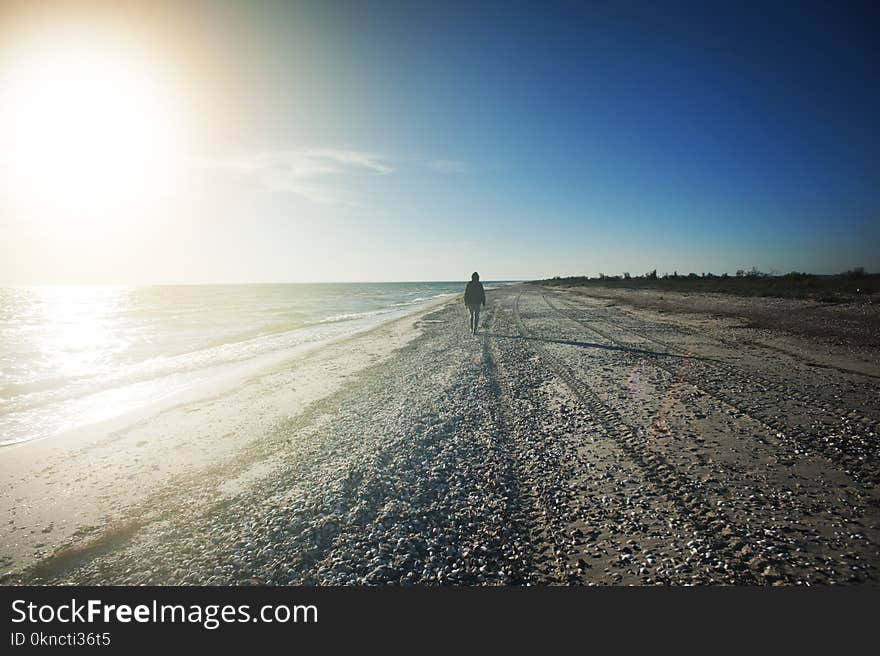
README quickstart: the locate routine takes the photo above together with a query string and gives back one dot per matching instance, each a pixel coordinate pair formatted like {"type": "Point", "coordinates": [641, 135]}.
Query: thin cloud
{"type": "Point", "coordinates": [307, 172]}
{"type": "Point", "coordinates": [318, 173]}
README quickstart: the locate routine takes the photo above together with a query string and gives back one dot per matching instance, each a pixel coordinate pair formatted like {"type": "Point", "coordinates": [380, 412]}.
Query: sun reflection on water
{"type": "Point", "coordinates": [75, 327]}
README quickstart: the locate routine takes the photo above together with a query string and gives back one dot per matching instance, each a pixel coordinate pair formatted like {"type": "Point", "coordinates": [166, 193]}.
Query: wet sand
{"type": "Point", "coordinates": [578, 438]}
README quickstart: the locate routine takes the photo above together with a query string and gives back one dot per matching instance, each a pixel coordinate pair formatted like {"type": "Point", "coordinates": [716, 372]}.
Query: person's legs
{"type": "Point", "coordinates": [474, 318]}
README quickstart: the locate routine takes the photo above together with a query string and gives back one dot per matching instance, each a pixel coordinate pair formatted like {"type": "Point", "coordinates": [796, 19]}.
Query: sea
{"type": "Point", "coordinates": [72, 356]}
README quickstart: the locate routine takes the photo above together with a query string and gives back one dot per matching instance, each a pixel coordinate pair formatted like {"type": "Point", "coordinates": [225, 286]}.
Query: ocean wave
{"type": "Point", "coordinates": [351, 316]}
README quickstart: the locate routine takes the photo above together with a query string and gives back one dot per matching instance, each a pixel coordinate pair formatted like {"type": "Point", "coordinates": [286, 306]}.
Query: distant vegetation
{"type": "Point", "coordinates": [847, 286]}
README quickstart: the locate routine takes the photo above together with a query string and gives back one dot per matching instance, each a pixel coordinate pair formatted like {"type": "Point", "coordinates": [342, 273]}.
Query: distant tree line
{"type": "Point", "coordinates": [752, 274]}
{"type": "Point", "coordinates": [852, 284]}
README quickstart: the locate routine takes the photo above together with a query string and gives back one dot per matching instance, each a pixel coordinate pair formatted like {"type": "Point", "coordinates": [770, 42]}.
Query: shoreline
{"type": "Point", "coordinates": [128, 393]}
{"type": "Point", "coordinates": [62, 487]}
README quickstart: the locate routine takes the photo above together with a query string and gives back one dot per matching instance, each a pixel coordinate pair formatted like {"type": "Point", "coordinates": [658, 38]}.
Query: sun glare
{"type": "Point", "coordinates": [90, 123]}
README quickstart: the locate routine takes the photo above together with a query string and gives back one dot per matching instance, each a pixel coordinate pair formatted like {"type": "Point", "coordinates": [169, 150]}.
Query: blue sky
{"type": "Point", "coordinates": [418, 140]}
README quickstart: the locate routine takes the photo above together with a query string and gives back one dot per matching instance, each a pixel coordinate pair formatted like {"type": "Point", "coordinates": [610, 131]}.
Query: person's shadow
{"type": "Point", "coordinates": [593, 345]}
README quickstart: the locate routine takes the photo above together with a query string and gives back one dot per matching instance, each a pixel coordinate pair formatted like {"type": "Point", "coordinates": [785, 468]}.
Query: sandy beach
{"type": "Point", "coordinates": [581, 437]}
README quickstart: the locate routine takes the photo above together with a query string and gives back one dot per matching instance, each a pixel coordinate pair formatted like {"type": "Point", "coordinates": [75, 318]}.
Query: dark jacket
{"type": "Point", "coordinates": [474, 294]}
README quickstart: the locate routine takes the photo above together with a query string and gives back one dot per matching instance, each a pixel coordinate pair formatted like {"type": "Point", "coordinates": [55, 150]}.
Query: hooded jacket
{"type": "Point", "coordinates": [474, 294]}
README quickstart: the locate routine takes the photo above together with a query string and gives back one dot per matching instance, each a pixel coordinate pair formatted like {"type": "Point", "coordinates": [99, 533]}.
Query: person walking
{"type": "Point", "coordinates": [474, 298]}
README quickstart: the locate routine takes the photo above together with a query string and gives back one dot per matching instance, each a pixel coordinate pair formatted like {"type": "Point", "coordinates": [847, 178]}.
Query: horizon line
{"type": "Point", "coordinates": [771, 274]}
{"type": "Point", "coordinates": [289, 282]}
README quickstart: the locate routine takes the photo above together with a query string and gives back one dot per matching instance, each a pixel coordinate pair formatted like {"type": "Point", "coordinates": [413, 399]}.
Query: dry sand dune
{"type": "Point", "coordinates": [575, 440]}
